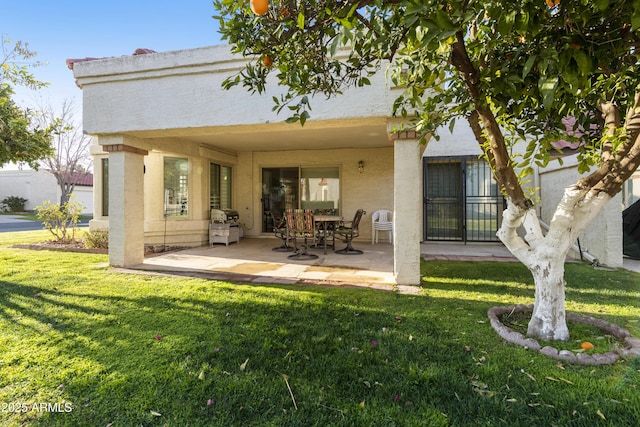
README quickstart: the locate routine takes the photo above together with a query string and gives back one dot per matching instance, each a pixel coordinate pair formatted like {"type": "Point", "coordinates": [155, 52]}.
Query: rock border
{"type": "Point", "coordinates": [632, 344]}
{"type": "Point", "coordinates": [59, 248]}
{"type": "Point", "coordinates": [149, 250]}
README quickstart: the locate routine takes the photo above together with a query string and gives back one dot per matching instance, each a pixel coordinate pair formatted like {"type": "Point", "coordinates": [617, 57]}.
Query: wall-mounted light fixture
{"type": "Point", "coordinates": [361, 166]}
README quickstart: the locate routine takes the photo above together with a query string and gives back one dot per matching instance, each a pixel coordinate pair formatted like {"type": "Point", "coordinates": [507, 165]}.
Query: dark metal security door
{"type": "Point", "coordinates": [461, 200]}
{"type": "Point", "coordinates": [483, 202]}
{"type": "Point", "coordinates": [443, 200]}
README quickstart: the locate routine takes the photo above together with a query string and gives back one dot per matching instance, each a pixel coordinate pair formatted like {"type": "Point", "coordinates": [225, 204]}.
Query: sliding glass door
{"type": "Point", "coordinates": [279, 192]}
{"type": "Point", "coordinates": [315, 188]}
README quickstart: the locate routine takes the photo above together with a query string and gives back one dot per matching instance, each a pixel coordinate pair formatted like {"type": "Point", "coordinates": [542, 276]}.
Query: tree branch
{"type": "Point", "coordinates": [617, 167]}
{"type": "Point", "coordinates": [502, 166]}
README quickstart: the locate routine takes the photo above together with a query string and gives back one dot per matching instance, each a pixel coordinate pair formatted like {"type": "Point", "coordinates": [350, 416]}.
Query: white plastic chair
{"type": "Point", "coordinates": [381, 220]}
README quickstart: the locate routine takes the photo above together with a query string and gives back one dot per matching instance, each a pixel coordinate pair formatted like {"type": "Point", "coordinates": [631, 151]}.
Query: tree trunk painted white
{"type": "Point", "coordinates": [548, 320]}
{"type": "Point", "coordinates": [544, 255]}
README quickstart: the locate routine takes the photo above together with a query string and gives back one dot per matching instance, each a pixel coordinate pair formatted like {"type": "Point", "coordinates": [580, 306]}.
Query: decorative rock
{"type": "Point", "coordinates": [549, 351]}
{"type": "Point", "coordinates": [504, 333]}
{"type": "Point", "coordinates": [567, 355]}
{"type": "Point", "coordinates": [494, 312]}
{"type": "Point", "coordinates": [514, 337]}
{"type": "Point", "coordinates": [633, 347]}
{"type": "Point", "coordinates": [605, 359]}
{"type": "Point", "coordinates": [633, 342]}
{"type": "Point", "coordinates": [618, 332]}
{"type": "Point", "coordinates": [531, 344]}
{"type": "Point", "coordinates": [584, 359]}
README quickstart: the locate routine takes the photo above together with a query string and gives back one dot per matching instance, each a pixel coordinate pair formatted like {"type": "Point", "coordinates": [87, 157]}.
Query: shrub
{"type": "Point", "coordinates": [97, 238]}
{"type": "Point", "coordinates": [58, 220]}
{"type": "Point", "coordinates": [14, 203]}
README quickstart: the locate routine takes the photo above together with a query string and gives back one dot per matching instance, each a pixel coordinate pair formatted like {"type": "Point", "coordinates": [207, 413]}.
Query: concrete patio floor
{"type": "Point", "coordinates": [253, 261]}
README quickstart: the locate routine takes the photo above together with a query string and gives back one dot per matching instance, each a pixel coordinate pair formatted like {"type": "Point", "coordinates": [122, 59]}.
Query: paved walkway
{"type": "Point", "coordinates": [631, 264]}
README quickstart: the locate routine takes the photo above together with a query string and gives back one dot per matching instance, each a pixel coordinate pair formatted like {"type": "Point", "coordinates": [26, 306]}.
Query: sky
{"type": "Point", "coordinates": [63, 29]}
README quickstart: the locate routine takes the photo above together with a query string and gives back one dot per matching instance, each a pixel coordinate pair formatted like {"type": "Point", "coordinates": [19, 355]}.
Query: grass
{"type": "Point", "coordinates": [32, 216]}
{"type": "Point", "coordinates": [155, 350]}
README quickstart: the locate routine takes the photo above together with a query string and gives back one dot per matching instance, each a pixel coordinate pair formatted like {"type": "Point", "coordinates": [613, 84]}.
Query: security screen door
{"type": "Point", "coordinates": [461, 200]}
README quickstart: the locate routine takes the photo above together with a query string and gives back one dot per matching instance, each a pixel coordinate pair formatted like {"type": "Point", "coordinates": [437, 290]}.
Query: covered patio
{"type": "Point", "coordinates": [172, 144]}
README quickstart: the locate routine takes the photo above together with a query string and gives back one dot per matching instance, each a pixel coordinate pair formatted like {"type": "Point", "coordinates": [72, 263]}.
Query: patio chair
{"type": "Point", "coordinates": [381, 220]}
{"type": "Point", "coordinates": [348, 230]}
{"type": "Point", "coordinates": [300, 226]}
{"type": "Point", "coordinates": [280, 231]}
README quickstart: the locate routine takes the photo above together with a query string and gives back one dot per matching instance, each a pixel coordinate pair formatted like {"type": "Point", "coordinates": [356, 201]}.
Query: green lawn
{"type": "Point", "coordinates": [32, 216]}
{"type": "Point", "coordinates": [103, 348]}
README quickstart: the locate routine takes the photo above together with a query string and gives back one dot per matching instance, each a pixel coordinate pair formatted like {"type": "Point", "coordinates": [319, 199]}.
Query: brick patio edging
{"type": "Point", "coordinates": [609, 358]}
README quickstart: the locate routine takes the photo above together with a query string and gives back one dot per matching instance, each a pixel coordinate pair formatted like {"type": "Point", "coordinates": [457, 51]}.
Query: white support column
{"type": "Point", "coordinates": [407, 218]}
{"type": "Point", "coordinates": [126, 204]}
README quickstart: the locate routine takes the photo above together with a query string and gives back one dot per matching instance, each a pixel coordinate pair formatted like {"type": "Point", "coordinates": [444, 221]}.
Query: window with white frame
{"type": "Point", "coordinates": [176, 185]}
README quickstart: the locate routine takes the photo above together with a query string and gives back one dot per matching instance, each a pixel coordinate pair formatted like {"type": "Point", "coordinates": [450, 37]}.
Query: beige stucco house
{"type": "Point", "coordinates": [171, 144]}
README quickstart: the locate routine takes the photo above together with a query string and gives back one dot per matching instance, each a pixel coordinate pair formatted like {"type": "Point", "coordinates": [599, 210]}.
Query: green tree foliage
{"type": "Point", "coordinates": [514, 68]}
{"type": "Point", "coordinates": [20, 141]}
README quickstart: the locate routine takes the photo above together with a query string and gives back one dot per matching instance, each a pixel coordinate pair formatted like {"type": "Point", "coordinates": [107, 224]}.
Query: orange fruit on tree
{"type": "Point", "coordinates": [267, 61]}
{"type": "Point", "coordinates": [586, 345]}
{"type": "Point", "coordinates": [259, 7]}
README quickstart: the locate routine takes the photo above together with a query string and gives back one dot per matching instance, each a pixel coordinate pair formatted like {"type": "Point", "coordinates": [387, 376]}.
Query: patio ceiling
{"type": "Point", "coordinates": [348, 133]}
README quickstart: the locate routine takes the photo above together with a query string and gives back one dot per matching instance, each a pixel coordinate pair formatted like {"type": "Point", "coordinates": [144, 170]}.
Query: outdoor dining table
{"type": "Point", "coordinates": [323, 222]}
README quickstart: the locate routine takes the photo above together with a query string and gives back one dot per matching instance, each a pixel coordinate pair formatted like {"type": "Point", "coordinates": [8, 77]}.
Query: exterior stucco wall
{"type": "Point", "coordinates": [370, 190]}
{"type": "Point", "coordinates": [166, 100]}
{"type": "Point", "coordinates": [35, 186]}
{"type": "Point", "coordinates": [170, 80]}
{"type": "Point", "coordinates": [603, 237]}
{"type": "Point", "coordinates": [460, 142]}
{"type": "Point", "coordinates": [84, 195]}
{"type": "Point", "coordinates": [40, 186]}
{"type": "Point", "coordinates": [181, 231]}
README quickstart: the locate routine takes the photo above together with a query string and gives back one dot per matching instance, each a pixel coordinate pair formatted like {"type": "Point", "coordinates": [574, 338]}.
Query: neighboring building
{"type": "Point", "coordinates": [40, 186]}
{"type": "Point", "coordinates": [171, 144]}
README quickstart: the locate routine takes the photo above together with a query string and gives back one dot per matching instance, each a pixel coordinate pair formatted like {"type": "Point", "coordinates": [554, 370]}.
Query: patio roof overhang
{"type": "Point", "coordinates": [323, 135]}
{"type": "Point", "coordinates": [178, 97]}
